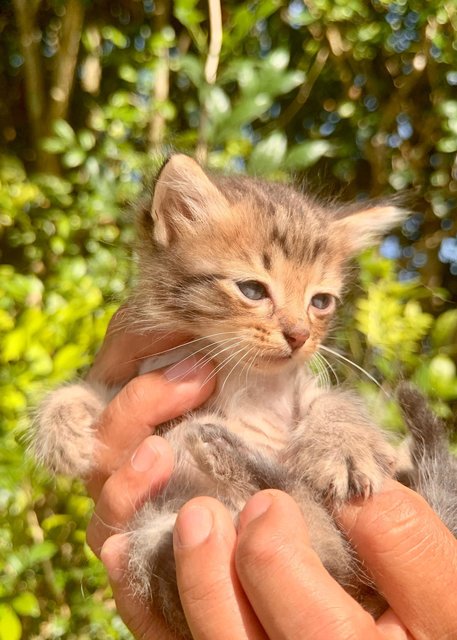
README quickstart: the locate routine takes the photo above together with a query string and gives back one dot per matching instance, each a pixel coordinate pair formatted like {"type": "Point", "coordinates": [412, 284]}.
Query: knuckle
{"type": "Point", "coordinates": [398, 524]}
{"type": "Point", "coordinates": [133, 393]}
{"type": "Point", "coordinates": [207, 590]}
{"type": "Point", "coordinates": [259, 553]}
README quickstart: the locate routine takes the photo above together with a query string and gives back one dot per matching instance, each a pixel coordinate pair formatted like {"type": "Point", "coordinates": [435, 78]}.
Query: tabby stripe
{"type": "Point", "coordinates": [200, 278]}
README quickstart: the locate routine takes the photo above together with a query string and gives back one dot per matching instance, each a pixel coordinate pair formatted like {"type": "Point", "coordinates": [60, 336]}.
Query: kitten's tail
{"type": "Point", "coordinates": [434, 473]}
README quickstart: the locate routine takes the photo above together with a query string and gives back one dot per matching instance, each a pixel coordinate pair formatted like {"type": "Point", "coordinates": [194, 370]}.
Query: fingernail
{"type": "Point", "coordinates": [145, 457]}
{"type": "Point", "coordinates": [186, 369]}
{"type": "Point", "coordinates": [112, 555]}
{"type": "Point", "coordinates": [193, 526]}
{"type": "Point", "coordinates": [255, 507]}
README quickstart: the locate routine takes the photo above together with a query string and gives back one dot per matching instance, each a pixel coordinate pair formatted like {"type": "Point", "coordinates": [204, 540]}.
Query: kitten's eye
{"type": "Point", "coordinates": [322, 301]}
{"type": "Point", "coordinates": [253, 290]}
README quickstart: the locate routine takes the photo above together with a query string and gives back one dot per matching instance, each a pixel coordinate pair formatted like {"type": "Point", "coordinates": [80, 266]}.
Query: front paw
{"type": "Point", "coordinates": [63, 436]}
{"type": "Point", "coordinates": [341, 473]}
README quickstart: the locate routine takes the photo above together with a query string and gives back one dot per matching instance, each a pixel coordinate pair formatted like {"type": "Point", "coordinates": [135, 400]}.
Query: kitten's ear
{"type": "Point", "coordinates": [184, 196]}
{"type": "Point", "coordinates": [363, 228]}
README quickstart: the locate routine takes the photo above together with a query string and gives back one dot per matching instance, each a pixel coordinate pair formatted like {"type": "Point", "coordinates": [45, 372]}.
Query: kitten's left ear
{"type": "Point", "coordinates": [363, 228]}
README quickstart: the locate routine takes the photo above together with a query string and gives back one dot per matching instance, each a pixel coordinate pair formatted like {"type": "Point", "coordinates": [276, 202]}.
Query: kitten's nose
{"type": "Point", "coordinates": [296, 337]}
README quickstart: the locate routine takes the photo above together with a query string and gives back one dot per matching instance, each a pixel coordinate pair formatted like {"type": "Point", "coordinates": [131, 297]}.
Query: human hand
{"type": "Point", "coordinates": [132, 464]}
{"type": "Point", "coordinates": [265, 581]}
{"type": "Point", "coordinates": [145, 401]}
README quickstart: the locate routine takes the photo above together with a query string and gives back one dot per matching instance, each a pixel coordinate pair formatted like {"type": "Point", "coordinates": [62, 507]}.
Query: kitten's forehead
{"type": "Point", "coordinates": [279, 223]}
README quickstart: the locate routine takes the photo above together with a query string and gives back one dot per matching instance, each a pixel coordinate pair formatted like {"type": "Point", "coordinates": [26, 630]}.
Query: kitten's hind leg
{"type": "Point", "coordinates": [63, 437]}
{"type": "Point", "coordinates": [152, 568]}
{"type": "Point", "coordinates": [236, 470]}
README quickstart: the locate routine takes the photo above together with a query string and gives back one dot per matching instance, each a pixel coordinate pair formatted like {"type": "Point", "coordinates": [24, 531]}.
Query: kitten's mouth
{"type": "Point", "coordinates": [272, 361]}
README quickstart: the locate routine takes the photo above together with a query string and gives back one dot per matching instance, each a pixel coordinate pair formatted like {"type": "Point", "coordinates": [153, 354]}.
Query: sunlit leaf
{"type": "Point", "coordinates": [306, 154]}
{"type": "Point", "coordinates": [26, 604]}
{"type": "Point", "coordinates": [10, 625]}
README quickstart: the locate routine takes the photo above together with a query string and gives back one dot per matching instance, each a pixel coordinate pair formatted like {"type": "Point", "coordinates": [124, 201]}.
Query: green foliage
{"type": "Point", "coordinates": [360, 95]}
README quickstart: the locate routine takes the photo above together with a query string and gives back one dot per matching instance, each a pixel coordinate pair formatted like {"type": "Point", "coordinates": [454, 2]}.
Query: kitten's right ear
{"type": "Point", "coordinates": [184, 199]}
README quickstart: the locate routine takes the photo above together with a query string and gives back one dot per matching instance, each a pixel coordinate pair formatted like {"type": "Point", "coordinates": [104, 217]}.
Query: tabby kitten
{"type": "Point", "coordinates": [254, 270]}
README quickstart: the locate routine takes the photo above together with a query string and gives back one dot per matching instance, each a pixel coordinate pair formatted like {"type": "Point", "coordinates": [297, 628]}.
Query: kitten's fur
{"type": "Point", "coordinates": [269, 423]}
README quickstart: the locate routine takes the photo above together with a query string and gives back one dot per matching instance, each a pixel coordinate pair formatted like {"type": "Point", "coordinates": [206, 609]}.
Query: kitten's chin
{"type": "Point", "coordinates": [273, 364]}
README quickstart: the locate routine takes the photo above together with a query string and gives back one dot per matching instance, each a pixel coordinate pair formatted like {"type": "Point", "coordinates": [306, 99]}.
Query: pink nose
{"type": "Point", "coordinates": [296, 337]}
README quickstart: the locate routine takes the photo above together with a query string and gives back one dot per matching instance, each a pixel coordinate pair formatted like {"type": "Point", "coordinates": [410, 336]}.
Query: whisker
{"type": "Point", "coordinates": [179, 346]}
{"type": "Point", "coordinates": [235, 365]}
{"type": "Point", "coordinates": [210, 354]}
{"type": "Point", "coordinates": [354, 364]}
{"type": "Point", "coordinates": [222, 364]}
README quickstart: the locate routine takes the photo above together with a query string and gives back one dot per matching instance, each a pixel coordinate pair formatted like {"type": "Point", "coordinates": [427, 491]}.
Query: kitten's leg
{"type": "Point", "coordinates": [338, 450]}
{"type": "Point", "coordinates": [63, 437]}
{"type": "Point", "coordinates": [152, 568]}
{"type": "Point", "coordinates": [210, 461]}
{"type": "Point", "coordinates": [205, 465]}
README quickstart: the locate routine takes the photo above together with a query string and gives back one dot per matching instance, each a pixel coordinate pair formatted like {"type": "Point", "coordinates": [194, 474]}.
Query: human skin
{"type": "Point", "coordinates": [261, 579]}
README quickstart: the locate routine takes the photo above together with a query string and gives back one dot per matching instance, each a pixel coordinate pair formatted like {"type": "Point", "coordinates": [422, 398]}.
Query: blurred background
{"type": "Point", "coordinates": [352, 98]}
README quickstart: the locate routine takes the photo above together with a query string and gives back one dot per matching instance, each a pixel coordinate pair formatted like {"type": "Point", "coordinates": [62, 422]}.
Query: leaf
{"type": "Point", "coordinates": [69, 358]}
{"type": "Point", "coordinates": [63, 130]}
{"type": "Point", "coordinates": [56, 520]}
{"type": "Point", "coordinates": [442, 377]}
{"type": "Point", "coordinates": [279, 59]}
{"type": "Point", "coordinates": [306, 154]}
{"type": "Point", "coordinates": [74, 158]}
{"type": "Point", "coordinates": [10, 625]}
{"type": "Point", "coordinates": [217, 104]}
{"type": "Point", "coordinates": [26, 604]}
{"type": "Point", "coordinates": [86, 139]}
{"type": "Point", "coordinates": [14, 344]}
{"type": "Point", "coordinates": [54, 145]}
{"type": "Point", "coordinates": [268, 154]}
{"type": "Point", "coordinates": [42, 551]}
{"type": "Point", "coordinates": [445, 329]}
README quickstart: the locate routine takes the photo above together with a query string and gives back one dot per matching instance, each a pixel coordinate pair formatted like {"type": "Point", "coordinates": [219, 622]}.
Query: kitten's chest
{"type": "Point", "coordinates": [263, 409]}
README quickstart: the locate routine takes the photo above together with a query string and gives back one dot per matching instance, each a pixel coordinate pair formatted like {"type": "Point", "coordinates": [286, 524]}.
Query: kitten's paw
{"type": "Point", "coordinates": [357, 475]}
{"type": "Point", "coordinates": [346, 472]}
{"type": "Point", "coordinates": [214, 447]}
{"type": "Point", "coordinates": [63, 436]}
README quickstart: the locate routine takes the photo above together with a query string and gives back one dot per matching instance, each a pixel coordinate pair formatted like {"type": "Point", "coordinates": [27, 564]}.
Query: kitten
{"type": "Point", "coordinates": [254, 271]}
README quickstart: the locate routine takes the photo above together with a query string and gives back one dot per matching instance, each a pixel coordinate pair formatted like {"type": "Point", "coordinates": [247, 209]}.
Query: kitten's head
{"type": "Point", "coordinates": [256, 267]}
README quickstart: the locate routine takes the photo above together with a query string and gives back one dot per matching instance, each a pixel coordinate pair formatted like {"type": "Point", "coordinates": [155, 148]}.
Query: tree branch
{"type": "Point", "coordinates": [162, 83]}
{"type": "Point", "coordinates": [65, 61]}
{"type": "Point", "coordinates": [30, 38]}
{"type": "Point", "coordinates": [211, 66]}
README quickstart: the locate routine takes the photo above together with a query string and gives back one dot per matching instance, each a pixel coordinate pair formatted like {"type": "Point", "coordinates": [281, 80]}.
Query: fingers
{"type": "Point", "coordinates": [123, 350]}
{"type": "Point", "coordinates": [143, 621]}
{"type": "Point", "coordinates": [213, 601]}
{"type": "Point", "coordinates": [144, 403]}
{"type": "Point", "coordinates": [287, 585]}
{"type": "Point", "coordinates": [402, 541]}
{"type": "Point", "coordinates": [128, 488]}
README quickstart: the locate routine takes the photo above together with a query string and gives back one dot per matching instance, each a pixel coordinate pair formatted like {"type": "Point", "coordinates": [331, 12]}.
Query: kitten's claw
{"type": "Point", "coordinates": [340, 474]}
